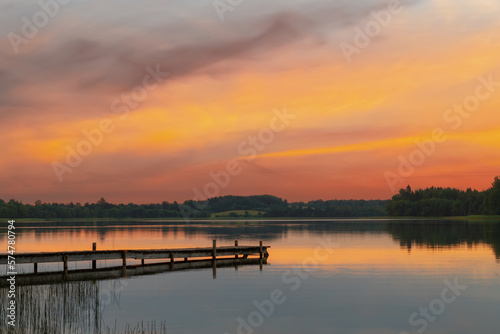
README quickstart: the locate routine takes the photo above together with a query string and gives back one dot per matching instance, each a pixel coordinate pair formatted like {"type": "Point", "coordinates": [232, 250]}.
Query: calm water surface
{"type": "Point", "coordinates": [341, 276]}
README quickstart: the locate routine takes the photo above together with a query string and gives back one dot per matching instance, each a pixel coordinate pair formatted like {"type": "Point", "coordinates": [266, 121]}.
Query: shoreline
{"type": "Point", "coordinates": [479, 218]}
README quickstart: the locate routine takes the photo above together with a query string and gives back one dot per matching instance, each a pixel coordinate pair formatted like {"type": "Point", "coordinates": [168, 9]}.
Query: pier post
{"type": "Point", "coordinates": [142, 262]}
{"type": "Point", "coordinates": [65, 266]}
{"type": "Point", "coordinates": [124, 263]}
{"type": "Point", "coordinates": [94, 262]}
{"type": "Point", "coordinates": [236, 256]}
{"type": "Point", "coordinates": [214, 258]}
{"type": "Point", "coordinates": [214, 250]}
{"type": "Point", "coordinates": [236, 245]}
{"type": "Point", "coordinates": [35, 267]}
{"type": "Point", "coordinates": [260, 250]}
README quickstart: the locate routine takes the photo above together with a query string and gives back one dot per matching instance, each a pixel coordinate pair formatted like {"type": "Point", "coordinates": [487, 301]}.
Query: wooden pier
{"type": "Point", "coordinates": [174, 259]}
{"type": "Point", "coordinates": [55, 277]}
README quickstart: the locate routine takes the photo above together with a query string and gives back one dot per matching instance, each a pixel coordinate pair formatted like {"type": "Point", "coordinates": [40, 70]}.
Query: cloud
{"type": "Point", "coordinates": [101, 60]}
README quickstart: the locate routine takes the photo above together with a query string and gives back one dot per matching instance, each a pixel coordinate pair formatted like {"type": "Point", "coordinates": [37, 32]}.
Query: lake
{"type": "Point", "coordinates": [338, 276]}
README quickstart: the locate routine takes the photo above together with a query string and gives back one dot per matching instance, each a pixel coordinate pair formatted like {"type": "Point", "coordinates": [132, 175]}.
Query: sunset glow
{"type": "Point", "coordinates": [159, 99]}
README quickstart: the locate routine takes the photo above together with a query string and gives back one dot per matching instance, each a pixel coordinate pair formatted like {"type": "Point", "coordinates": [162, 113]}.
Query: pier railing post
{"type": "Point", "coordinates": [171, 260]}
{"type": "Point", "coordinates": [236, 245]}
{"type": "Point", "coordinates": [124, 263]}
{"type": "Point", "coordinates": [65, 266]}
{"type": "Point", "coordinates": [124, 258]}
{"type": "Point", "coordinates": [261, 250]}
{"type": "Point", "coordinates": [214, 258]}
{"type": "Point", "coordinates": [94, 262]}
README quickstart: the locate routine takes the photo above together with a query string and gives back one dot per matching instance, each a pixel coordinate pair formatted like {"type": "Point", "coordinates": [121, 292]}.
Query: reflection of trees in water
{"type": "Point", "coordinates": [430, 233]}
{"type": "Point", "coordinates": [410, 233]}
{"type": "Point", "coordinates": [446, 234]}
{"type": "Point", "coordinates": [257, 230]}
{"type": "Point", "coordinates": [68, 308]}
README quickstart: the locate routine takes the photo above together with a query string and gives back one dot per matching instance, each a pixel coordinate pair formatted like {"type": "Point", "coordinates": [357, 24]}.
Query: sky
{"type": "Point", "coordinates": [150, 101]}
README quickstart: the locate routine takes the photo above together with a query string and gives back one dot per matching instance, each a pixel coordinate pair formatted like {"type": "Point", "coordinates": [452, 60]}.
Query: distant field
{"type": "Point", "coordinates": [477, 218]}
{"type": "Point", "coordinates": [251, 213]}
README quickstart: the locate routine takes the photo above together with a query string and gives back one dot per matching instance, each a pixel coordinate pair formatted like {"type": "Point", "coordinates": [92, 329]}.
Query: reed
{"type": "Point", "coordinates": [68, 308]}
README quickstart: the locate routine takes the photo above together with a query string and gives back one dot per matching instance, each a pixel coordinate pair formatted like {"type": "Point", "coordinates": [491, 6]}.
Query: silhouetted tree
{"type": "Point", "coordinates": [445, 202]}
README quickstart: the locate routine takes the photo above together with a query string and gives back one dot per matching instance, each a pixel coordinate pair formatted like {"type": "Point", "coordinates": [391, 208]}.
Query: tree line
{"type": "Point", "coordinates": [266, 205]}
{"type": "Point", "coordinates": [427, 202]}
{"type": "Point", "coordinates": [440, 202]}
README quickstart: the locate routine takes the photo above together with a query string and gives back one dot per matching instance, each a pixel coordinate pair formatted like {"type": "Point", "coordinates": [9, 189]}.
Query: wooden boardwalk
{"type": "Point", "coordinates": [175, 259]}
